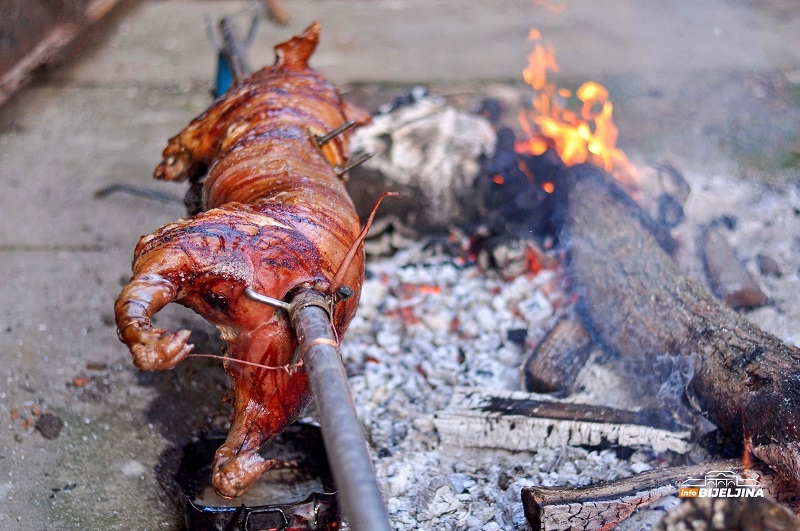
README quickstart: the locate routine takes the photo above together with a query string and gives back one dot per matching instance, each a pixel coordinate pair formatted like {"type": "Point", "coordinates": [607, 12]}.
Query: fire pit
{"type": "Point", "coordinates": [439, 340]}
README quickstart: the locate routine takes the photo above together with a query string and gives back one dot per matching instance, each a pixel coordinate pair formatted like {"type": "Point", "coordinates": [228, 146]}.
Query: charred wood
{"type": "Point", "coordinates": [729, 279]}
{"type": "Point", "coordinates": [768, 266]}
{"type": "Point", "coordinates": [554, 364]}
{"type": "Point", "coordinates": [605, 505]}
{"type": "Point", "coordinates": [519, 191]}
{"type": "Point", "coordinates": [641, 306]}
{"type": "Point", "coordinates": [525, 421]}
{"type": "Point", "coordinates": [673, 183]}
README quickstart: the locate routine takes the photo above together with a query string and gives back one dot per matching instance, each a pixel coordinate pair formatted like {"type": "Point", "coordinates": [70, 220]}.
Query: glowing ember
{"type": "Point", "coordinates": [587, 135]}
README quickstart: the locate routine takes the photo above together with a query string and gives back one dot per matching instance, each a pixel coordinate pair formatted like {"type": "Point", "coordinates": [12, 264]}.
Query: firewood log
{"type": "Point", "coordinates": [637, 301]}
{"type": "Point", "coordinates": [728, 277]}
{"type": "Point", "coordinates": [606, 505]}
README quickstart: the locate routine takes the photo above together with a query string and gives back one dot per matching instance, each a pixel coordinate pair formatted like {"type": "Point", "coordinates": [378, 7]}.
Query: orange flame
{"type": "Point", "coordinates": [588, 135]}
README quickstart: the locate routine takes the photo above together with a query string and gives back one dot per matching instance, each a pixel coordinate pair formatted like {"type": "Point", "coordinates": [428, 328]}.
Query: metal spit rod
{"type": "Point", "coordinates": [309, 313]}
{"type": "Point", "coordinates": [341, 429]}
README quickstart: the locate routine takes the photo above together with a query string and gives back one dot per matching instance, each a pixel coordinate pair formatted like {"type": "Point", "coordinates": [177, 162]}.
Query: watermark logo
{"type": "Point", "coordinates": [721, 484]}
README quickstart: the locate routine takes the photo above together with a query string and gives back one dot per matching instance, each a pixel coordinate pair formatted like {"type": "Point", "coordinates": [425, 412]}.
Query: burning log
{"type": "Point", "coordinates": [641, 306]}
{"type": "Point", "coordinates": [523, 421]}
{"type": "Point", "coordinates": [605, 505]}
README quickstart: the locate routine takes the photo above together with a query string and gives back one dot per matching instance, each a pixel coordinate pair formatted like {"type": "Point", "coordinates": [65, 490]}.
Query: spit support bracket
{"type": "Point", "coordinates": [351, 466]}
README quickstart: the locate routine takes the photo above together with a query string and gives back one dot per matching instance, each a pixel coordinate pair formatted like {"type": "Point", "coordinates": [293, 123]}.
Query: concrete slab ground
{"type": "Point", "coordinates": [706, 86]}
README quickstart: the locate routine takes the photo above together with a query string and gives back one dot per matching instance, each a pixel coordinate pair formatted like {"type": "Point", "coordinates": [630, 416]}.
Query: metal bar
{"type": "Point", "coordinates": [341, 430]}
{"type": "Point", "coordinates": [256, 296]}
{"type": "Point", "coordinates": [321, 140]}
{"type": "Point", "coordinates": [364, 157]}
{"type": "Point", "coordinates": [233, 51]}
{"type": "Point", "coordinates": [139, 191]}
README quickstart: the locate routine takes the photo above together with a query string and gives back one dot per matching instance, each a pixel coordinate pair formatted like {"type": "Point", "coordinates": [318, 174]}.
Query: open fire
{"type": "Point", "coordinates": [561, 130]}
{"type": "Point", "coordinates": [440, 348]}
{"type": "Point", "coordinates": [587, 134]}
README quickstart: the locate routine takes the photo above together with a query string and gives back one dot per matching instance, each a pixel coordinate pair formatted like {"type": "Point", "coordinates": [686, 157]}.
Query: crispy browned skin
{"type": "Point", "coordinates": [277, 217]}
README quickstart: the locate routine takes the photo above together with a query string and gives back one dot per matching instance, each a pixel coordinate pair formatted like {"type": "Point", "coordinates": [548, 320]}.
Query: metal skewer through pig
{"type": "Point", "coordinates": [276, 219]}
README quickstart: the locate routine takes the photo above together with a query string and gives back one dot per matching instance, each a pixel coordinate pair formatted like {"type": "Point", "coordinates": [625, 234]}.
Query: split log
{"type": "Point", "coordinates": [636, 300]}
{"type": "Point", "coordinates": [554, 364]}
{"type": "Point", "coordinates": [605, 505]}
{"type": "Point", "coordinates": [729, 279]}
{"type": "Point", "coordinates": [525, 421]}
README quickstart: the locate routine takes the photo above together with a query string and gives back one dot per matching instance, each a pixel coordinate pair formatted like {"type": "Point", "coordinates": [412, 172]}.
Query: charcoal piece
{"type": "Point", "coordinates": [521, 192]}
{"type": "Point", "coordinates": [768, 266]}
{"type": "Point", "coordinates": [504, 155]}
{"type": "Point", "coordinates": [554, 364]}
{"type": "Point", "coordinates": [728, 221]}
{"type": "Point", "coordinates": [406, 99]}
{"type": "Point", "coordinates": [517, 336]}
{"type": "Point", "coordinates": [492, 110]}
{"type": "Point", "coordinates": [49, 425]}
{"type": "Point", "coordinates": [437, 499]}
{"type": "Point", "coordinates": [505, 254]}
{"type": "Point", "coordinates": [640, 305]}
{"type": "Point", "coordinates": [728, 277]}
{"type": "Point", "coordinates": [673, 183]}
{"type": "Point", "coordinates": [670, 211]}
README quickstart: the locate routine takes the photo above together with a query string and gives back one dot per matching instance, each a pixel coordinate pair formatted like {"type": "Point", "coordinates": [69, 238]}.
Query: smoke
{"type": "Point", "coordinates": [677, 372]}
